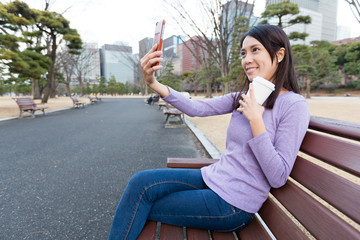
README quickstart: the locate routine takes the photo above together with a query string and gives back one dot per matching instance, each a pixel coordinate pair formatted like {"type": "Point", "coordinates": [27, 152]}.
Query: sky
{"type": "Point", "coordinates": [129, 21]}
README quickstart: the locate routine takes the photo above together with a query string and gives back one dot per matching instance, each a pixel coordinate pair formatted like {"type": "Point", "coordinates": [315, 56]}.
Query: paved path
{"type": "Point", "coordinates": [62, 175]}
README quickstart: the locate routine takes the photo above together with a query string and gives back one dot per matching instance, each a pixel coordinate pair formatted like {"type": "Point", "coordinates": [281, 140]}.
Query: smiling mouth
{"type": "Point", "coordinates": [249, 70]}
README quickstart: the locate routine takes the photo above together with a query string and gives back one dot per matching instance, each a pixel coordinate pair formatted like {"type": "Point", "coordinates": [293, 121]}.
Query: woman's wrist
{"type": "Point", "coordinates": [161, 89]}
{"type": "Point", "coordinates": [257, 126]}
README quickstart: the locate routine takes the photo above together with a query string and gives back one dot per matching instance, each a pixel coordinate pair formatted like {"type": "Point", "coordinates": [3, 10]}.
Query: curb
{"type": "Point", "coordinates": [36, 114]}
{"type": "Point", "coordinates": [212, 150]}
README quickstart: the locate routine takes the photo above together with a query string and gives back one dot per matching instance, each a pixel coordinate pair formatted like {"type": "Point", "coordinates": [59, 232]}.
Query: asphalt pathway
{"type": "Point", "coordinates": [62, 175]}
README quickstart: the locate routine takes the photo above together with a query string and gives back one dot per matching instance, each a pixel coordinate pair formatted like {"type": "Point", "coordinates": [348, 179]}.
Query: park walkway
{"type": "Point", "coordinates": [62, 175]}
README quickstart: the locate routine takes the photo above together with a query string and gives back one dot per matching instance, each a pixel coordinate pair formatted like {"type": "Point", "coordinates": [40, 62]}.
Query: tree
{"type": "Point", "coordinates": [215, 37]}
{"type": "Point", "coordinates": [355, 8]}
{"type": "Point", "coordinates": [352, 56]}
{"type": "Point", "coordinates": [237, 74]}
{"type": "Point", "coordinates": [17, 28]}
{"type": "Point", "coordinates": [56, 29]}
{"type": "Point", "coordinates": [303, 67]}
{"type": "Point", "coordinates": [66, 64]}
{"type": "Point", "coordinates": [170, 79]}
{"type": "Point", "coordinates": [84, 64]}
{"type": "Point", "coordinates": [112, 86]}
{"type": "Point", "coordinates": [286, 14]}
{"type": "Point", "coordinates": [326, 73]}
{"type": "Point", "coordinates": [101, 88]}
{"type": "Point", "coordinates": [315, 65]}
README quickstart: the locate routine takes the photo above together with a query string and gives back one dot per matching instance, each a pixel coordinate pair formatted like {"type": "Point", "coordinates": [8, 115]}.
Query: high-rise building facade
{"type": "Point", "coordinates": [91, 62]}
{"type": "Point", "coordinates": [170, 44]}
{"type": "Point", "coordinates": [323, 15]}
{"type": "Point", "coordinates": [145, 45]}
{"type": "Point", "coordinates": [117, 61]}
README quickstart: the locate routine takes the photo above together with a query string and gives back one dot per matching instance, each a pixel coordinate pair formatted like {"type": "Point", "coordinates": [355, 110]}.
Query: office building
{"type": "Point", "coordinates": [323, 15]}
{"type": "Point", "coordinates": [343, 32]}
{"type": "Point", "coordinates": [145, 46]}
{"type": "Point", "coordinates": [170, 44]}
{"type": "Point", "coordinates": [117, 61]}
{"type": "Point", "coordinates": [91, 63]}
{"type": "Point", "coordinates": [171, 52]}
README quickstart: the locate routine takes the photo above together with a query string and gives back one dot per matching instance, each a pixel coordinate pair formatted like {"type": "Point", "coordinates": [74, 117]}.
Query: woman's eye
{"type": "Point", "coordinates": [255, 49]}
{"type": "Point", "coordinates": [242, 53]}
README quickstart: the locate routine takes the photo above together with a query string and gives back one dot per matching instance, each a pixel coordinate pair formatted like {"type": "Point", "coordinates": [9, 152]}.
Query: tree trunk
{"type": "Point", "coordinates": [47, 93]}
{"type": "Point", "coordinates": [35, 89]}
{"type": "Point", "coordinates": [226, 88]}
{"type": "Point", "coordinates": [308, 86]}
{"type": "Point", "coordinates": [68, 91]}
{"type": "Point", "coordinates": [208, 90]}
{"type": "Point", "coordinates": [80, 84]}
{"type": "Point", "coordinates": [52, 90]}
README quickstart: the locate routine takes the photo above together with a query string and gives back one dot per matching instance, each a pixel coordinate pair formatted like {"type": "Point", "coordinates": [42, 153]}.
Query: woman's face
{"type": "Point", "coordinates": [256, 60]}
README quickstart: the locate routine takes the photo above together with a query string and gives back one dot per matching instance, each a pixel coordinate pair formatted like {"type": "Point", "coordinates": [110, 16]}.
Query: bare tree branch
{"type": "Point", "coordinates": [355, 8]}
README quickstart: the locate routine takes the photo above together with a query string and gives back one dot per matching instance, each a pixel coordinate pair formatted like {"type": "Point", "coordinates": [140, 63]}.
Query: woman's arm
{"type": "Point", "coordinates": [220, 105]}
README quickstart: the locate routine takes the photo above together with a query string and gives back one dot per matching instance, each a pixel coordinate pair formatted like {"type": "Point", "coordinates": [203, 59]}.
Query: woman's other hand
{"type": "Point", "coordinates": [253, 112]}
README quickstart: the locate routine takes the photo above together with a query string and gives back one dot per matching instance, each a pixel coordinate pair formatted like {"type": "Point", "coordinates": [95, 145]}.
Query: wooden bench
{"type": "Point", "coordinates": [172, 113]}
{"type": "Point", "coordinates": [162, 104]}
{"type": "Point", "coordinates": [28, 105]}
{"type": "Point", "coordinates": [321, 199]}
{"type": "Point", "coordinates": [76, 102]}
{"type": "Point", "coordinates": [93, 99]}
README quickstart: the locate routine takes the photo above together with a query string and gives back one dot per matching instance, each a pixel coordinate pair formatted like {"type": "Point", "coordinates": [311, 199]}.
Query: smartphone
{"type": "Point", "coordinates": [158, 38]}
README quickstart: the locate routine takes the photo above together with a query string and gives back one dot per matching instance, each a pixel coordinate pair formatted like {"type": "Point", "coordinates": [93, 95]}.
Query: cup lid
{"type": "Point", "coordinates": [265, 82]}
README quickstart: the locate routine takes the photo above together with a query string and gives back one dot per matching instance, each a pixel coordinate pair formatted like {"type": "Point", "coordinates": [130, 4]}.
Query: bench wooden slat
{"type": "Point", "coordinates": [170, 232]}
{"type": "Point", "coordinates": [280, 224]}
{"type": "Point", "coordinates": [223, 235]}
{"type": "Point", "coordinates": [334, 151]}
{"type": "Point", "coordinates": [197, 234]}
{"type": "Point", "coordinates": [339, 192]}
{"type": "Point", "coordinates": [189, 162]}
{"type": "Point", "coordinates": [149, 231]}
{"type": "Point", "coordinates": [336, 127]}
{"type": "Point", "coordinates": [253, 231]}
{"type": "Point", "coordinates": [317, 219]}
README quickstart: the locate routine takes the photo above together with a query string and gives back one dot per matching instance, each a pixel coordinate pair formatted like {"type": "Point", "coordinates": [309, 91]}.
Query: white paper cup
{"type": "Point", "coordinates": [262, 89]}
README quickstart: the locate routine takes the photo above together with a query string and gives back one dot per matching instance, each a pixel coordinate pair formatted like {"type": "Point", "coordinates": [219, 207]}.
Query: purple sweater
{"type": "Point", "coordinates": [250, 166]}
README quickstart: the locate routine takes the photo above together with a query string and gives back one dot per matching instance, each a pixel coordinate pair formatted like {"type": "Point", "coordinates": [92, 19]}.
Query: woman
{"type": "Point", "coordinates": [261, 147]}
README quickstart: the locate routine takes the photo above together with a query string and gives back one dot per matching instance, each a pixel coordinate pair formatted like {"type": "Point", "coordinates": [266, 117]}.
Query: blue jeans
{"type": "Point", "coordinates": [174, 196]}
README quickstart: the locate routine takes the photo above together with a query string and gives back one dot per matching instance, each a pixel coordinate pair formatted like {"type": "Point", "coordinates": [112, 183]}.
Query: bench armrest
{"type": "Point", "coordinates": [190, 162]}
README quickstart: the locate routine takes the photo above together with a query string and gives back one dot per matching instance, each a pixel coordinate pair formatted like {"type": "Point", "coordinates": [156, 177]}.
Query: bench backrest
{"type": "Point", "coordinates": [75, 100]}
{"type": "Point", "coordinates": [322, 197]}
{"type": "Point", "coordinates": [25, 103]}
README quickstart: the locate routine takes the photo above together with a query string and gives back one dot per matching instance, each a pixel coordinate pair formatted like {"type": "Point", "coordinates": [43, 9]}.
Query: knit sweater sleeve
{"type": "Point", "coordinates": [277, 157]}
{"type": "Point", "coordinates": [200, 108]}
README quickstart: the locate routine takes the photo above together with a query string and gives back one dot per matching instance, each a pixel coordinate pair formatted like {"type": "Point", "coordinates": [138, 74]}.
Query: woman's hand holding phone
{"type": "Point", "coordinates": [148, 68]}
{"type": "Point", "coordinates": [150, 64]}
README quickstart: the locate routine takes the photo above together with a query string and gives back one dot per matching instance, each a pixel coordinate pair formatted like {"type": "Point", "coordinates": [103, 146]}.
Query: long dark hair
{"type": "Point", "coordinates": [273, 38]}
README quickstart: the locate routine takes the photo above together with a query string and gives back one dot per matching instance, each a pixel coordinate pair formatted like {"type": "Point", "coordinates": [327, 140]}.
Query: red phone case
{"type": "Point", "coordinates": [158, 38]}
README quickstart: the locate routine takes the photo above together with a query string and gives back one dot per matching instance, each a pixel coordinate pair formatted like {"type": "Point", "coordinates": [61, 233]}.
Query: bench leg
{"type": "Point", "coordinates": [167, 117]}
{"type": "Point", "coordinates": [32, 113]}
{"type": "Point", "coordinates": [21, 114]}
